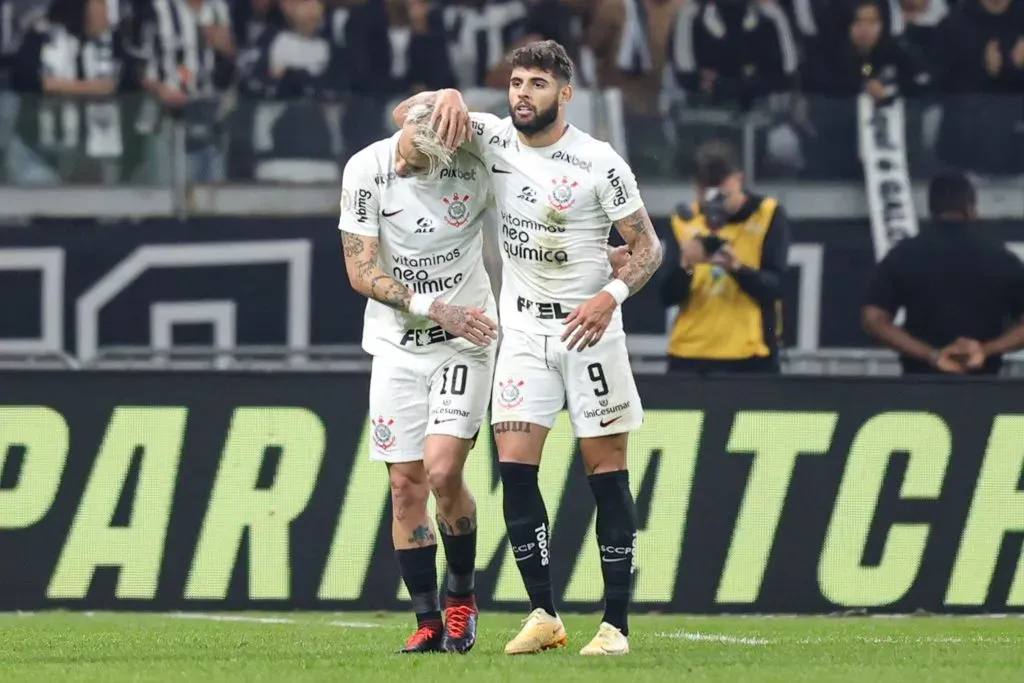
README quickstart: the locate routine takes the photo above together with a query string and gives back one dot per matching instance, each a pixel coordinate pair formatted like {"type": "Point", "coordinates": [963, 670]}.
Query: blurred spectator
{"type": "Point", "coordinates": [190, 52]}
{"type": "Point", "coordinates": [629, 40]}
{"type": "Point", "coordinates": [545, 20]}
{"type": "Point", "coordinates": [731, 52]}
{"type": "Point", "coordinates": [921, 19]}
{"type": "Point", "coordinates": [820, 21]}
{"type": "Point", "coordinates": [69, 68]}
{"type": "Point", "coordinates": [251, 19]}
{"type": "Point", "coordinates": [8, 37]}
{"type": "Point", "coordinates": [555, 20]}
{"type": "Point", "coordinates": [369, 67]}
{"type": "Point", "coordinates": [303, 60]}
{"type": "Point", "coordinates": [867, 60]}
{"type": "Point", "coordinates": [480, 34]}
{"type": "Point", "coordinates": [724, 271]}
{"type": "Point", "coordinates": [959, 288]}
{"type": "Point", "coordinates": [982, 70]}
{"type": "Point", "coordinates": [302, 65]}
{"type": "Point", "coordinates": [419, 47]}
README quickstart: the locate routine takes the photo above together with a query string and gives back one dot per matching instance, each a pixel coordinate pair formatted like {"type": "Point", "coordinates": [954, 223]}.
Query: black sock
{"type": "Point", "coordinates": [529, 532]}
{"type": "Point", "coordinates": [460, 552]}
{"type": "Point", "coordinates": [616, 537]}
{"type": "Point", "coordinates": [419, 572]}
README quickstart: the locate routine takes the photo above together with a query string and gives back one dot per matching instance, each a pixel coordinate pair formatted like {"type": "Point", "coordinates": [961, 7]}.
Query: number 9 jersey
{"type": "Point", "coordinates": [556, 206]}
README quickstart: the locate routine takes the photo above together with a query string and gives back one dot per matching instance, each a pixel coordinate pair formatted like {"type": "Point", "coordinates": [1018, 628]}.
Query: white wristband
{"type": "Point", "coordinates": [420, 304]}
{"type": "Point", "coordinates": [618, 289]}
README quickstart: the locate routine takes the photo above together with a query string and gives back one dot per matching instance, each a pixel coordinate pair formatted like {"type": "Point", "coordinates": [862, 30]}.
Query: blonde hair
{"type": "Point", "coordinates": [426, 141]}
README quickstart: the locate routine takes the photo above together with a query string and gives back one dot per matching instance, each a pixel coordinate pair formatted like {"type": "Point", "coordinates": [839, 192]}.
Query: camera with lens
{"type": "Point", "coordinates": [716, 216]}
{"type": "Point", "coordinates": [713, 207]}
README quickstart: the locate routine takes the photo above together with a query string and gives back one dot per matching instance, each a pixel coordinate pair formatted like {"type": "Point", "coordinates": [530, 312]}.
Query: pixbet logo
{"type": "Point", "coordinates": [458, 173]}
{"type": "Point", "coordinates": [573, 160]}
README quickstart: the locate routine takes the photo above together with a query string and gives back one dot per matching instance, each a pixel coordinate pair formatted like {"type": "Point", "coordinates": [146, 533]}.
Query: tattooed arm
{"type": "Point", "coordinates": [402, 110]}
{"type": "Point", "coordinates": [586, 324]}
{"type": "Point", "coordinates": [367, 277]}
{"type": "Point", "coordinates": [450, 117]}
{"type": "Point", "coordinates": [644, 250]}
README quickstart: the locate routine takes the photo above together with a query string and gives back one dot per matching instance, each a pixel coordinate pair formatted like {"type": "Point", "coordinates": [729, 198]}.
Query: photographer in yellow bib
{"type": "Point", "coordinates": [724, 271]}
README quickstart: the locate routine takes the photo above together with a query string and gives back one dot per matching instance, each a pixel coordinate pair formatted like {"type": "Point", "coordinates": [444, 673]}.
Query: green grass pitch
{"type": "Point", "coordinates": [353, 648]}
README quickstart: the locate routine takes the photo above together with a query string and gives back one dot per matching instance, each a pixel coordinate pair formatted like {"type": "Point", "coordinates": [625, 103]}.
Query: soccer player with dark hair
{"type": "Point", "coordinates": [557, 190]}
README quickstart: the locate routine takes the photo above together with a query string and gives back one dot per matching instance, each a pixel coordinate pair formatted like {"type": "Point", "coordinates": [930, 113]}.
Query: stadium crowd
{"type": "Point", "coordinates": [260, 82]}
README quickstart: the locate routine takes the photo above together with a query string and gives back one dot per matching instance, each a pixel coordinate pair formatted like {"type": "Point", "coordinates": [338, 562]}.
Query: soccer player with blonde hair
{"type": "Point", "coordinates": [411, 227]}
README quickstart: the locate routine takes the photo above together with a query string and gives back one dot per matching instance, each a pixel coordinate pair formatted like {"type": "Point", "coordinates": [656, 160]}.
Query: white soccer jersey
{"type": "Point", "coordinates": [430, 233]}
{"type": "Point", "coordinates": [555, 209]}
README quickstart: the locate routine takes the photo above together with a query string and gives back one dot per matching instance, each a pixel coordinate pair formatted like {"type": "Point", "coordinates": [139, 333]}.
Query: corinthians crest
{"type": "Point", "coordinates": [509, 394]}
{"type": "Point", "coordinates": [383, 437]}
{"type": "Point", "coordinates": [458, 211]}
{"type": "Point", "coordinates": [561, 195]}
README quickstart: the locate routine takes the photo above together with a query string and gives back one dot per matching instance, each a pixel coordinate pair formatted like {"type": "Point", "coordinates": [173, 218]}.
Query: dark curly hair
{"type": "Point", "coordinates": [545, 55]}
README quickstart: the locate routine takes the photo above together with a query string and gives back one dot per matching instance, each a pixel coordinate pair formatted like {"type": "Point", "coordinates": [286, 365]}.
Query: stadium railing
{"type": "Point", "coordinates": [793, 148]}
{"type": "Point", "coordinates": [790, 145]}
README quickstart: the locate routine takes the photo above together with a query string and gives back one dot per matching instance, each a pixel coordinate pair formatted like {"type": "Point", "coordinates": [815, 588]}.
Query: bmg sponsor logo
{"type": "Point", "coordinates": [621, 196]}
{"type": "Point", "coordinates": [360, 206]}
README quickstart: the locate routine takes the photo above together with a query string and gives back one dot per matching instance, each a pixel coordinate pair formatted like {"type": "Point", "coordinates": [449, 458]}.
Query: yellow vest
{"type": "Point", "coordinates": [720, 321]}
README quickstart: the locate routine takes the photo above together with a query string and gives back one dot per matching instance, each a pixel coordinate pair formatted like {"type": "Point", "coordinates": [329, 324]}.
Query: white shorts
{"type": "Point", "coordinates": [408, 403]}
{"type": "Point", "coordinates": [536, 376]}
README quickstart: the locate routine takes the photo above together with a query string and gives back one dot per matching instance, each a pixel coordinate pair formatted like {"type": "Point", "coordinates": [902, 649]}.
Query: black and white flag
{"type": "Point", "coordinates": [883, 152]}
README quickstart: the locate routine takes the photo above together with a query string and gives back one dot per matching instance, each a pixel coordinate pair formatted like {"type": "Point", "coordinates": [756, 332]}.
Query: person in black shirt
{"type": "Point", "coordinates": [959, 290]}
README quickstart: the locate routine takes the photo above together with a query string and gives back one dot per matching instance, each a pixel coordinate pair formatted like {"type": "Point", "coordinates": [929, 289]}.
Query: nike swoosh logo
{"type": "Point", "coordinates": [389, 214]}
{"type": "Point", "coordinates": [437, 422]}
{"type": "Point", "coordinates": [605, 423]}
{"type": "Point", "coordinates": [614, 559]}
{"type": "Point", "coordinates": [524, 557]}
{"type": "Point", "coordinates": [495, 169]}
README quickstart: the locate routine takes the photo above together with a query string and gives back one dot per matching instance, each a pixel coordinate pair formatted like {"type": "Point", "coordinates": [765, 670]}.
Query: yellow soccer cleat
{"type": "Point", "coordinates": [540, 632]}
{"type": "Point", "coordinates": [608, 641]}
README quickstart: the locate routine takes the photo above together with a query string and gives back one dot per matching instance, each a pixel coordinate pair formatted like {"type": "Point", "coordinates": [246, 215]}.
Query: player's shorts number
{"type": "Point", "coordinates": [457, 386]}
{"type": "Point", "coordinates": [596, 373]}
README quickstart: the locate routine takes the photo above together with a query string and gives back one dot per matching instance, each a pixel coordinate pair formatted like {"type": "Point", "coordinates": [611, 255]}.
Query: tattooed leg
{"type": "Point", "coordinates": [445, 457]}
{"type": "Point", "coordinates": [415, 542]}
{"type": "Point", "coordinates": [411, 525]}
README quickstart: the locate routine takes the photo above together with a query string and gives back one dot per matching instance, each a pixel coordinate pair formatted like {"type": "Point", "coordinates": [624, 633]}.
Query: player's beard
{"type": "Point", "coordinates": [542, 119]}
